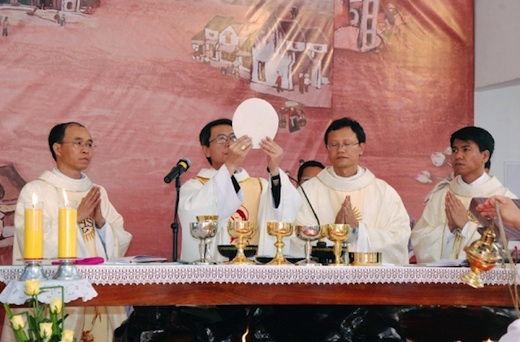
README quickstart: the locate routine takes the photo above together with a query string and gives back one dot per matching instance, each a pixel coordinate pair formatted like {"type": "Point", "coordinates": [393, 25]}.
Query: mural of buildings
{"type": "Point", "coordinates": [264, 52]}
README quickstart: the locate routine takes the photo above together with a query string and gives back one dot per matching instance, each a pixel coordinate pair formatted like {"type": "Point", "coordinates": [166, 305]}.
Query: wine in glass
{"type": "Point", "coordinates": [308, 233]}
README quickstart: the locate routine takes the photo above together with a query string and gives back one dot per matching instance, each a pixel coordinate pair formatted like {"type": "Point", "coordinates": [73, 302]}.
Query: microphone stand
{"type": "Point", "coordinates": [320, 243]}
{"type": "Point", "coordinates": [307, 198]}
{"type": "Point", "coordinates": [175, 223]}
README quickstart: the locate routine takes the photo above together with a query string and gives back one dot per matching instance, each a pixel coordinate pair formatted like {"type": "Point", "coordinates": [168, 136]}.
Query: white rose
{"type": "Point", "coordinates": [18, 321]}
{"type": "Point", "coordinates": [56, 305]}
{"type": "Point", "coordinates": [32, 287]}
{"type": "Point", "coordinates": [46, 330]}
{"type": "Point", "coordinates": [67, 336]}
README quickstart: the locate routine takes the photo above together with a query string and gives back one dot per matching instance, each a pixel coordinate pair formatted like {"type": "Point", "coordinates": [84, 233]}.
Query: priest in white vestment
{"type": "Point", "coordinates": [348, 193]}
{"type": "Point", "coordinates": [227, 190]}
{"type": "Point", "coordinates": [100, 229]}
{"type": "Point", "coordinates": [446, 225]}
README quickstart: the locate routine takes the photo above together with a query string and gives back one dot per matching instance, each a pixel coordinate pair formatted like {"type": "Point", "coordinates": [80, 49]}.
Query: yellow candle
{"type": "Point", "coordinates": [33, 232]}
{"type": "Point", "coordinates": [67, 243]}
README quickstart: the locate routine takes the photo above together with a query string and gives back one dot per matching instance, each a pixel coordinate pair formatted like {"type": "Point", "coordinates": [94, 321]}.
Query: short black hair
{"type": "Point", "coordinates": [479, 136]}
{"type": "Point", "coordinates": [346, 122]}
{"type": "Point", "coordinates": [58, 133]}
{"type": "Point", "coordinates": [205, 133]}
{"type": "Point", "coordinates": [306, 164]}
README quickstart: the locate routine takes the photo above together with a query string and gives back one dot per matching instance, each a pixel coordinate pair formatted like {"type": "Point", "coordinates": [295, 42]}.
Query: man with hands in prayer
{"type": "Point", "coordinates": [349, 193]}
{"type": "Point", "coordinates": [446, 225]}
{"type": "Point", "coordinates": [100, 228]}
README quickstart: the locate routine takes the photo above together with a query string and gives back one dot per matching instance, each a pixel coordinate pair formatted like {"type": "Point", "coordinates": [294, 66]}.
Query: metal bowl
{"type": "Point", "coordinates": [230, 251]}
{"type": "Point", "coordinates": [365, 258]}
{"type": "Point", "coordinates": [324, 253]}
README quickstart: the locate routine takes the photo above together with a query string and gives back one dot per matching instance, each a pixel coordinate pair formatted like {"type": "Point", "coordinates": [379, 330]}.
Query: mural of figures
{"type": "Point", "coordinates": [10, 185]}
{"type": "Point", "coordinates": [145, 75]}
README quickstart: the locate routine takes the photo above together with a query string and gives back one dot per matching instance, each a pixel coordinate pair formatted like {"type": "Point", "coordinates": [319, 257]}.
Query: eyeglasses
{"type": "Point", "coordinates": [78, 144]}
{"type": "Point", "coordinates": [337, 146]}
{"type": "Point", "coordinates": [222, 139]}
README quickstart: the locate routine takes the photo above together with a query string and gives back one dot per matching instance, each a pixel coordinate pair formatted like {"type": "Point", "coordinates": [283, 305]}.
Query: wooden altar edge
{"type": "Point", "coordinates": [229, 285]}
{"type": "Point", "coordinates": [297, 294]}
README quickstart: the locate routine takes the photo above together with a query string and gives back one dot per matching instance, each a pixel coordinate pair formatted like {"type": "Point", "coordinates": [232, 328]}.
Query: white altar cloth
{"type": "Point", "coordinates": [14, 292]}
{"type": "Point", "coordinates": [171, 273]}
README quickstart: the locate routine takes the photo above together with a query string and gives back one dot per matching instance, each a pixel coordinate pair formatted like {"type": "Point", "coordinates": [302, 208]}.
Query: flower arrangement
{"type": "Point", "coordinates": [34, 325]}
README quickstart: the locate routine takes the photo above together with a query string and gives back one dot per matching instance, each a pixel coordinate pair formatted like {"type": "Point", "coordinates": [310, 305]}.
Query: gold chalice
{"type": "Point", "coordinates": [308, 233]}
{"type": "Point", "coordinates": [204, 231]}
{"type": "Point", "coordinates": [279, 230]}
{"type": "Point", "coordinates": [241, 230]}
{"type": "Point", "coordinates": [338, 233]}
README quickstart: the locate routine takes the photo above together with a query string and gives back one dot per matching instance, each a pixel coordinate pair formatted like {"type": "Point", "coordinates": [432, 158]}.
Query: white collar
{"type": "Point", "coordinates": [480, 180]}
{"type": "Point", "coordinates": [57, 172]}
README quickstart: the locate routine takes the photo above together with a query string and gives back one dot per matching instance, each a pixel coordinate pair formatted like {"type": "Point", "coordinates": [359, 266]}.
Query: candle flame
{"type": "Point", "coordinates": [34, 199]}
{"type": "Point", "coordinates": [245, 334]}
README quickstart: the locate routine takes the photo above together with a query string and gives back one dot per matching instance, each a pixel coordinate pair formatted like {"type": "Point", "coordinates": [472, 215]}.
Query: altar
{"type": "Point", "coordinates": [174, 284]}
{"type": "Point", "coordinates": [215, 297]}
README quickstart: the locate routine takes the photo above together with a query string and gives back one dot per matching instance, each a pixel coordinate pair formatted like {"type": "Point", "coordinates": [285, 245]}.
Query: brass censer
{"type": "Point", "coordinates": [482, 256]}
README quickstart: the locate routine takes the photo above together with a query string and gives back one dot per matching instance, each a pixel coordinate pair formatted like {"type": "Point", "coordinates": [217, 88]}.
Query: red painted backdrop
{"type": "Point", "coordinates": [129, 72]}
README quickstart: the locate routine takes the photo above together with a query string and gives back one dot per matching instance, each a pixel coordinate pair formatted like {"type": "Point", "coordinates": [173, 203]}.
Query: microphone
{"type": "Point", "coordinates": [181, 167]}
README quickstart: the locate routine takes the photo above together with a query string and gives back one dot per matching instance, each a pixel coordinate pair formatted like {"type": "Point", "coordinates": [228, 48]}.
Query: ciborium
{"type": "Point", "coordinates": [241, 231]}
{"type": "Point", "coordinates": [204, 230]}
{"type": "Point", "coordinates": [308, 233]}
{"type": "Point", "coordinates": [338, 233]}
{"type": "Point", "coordinates": [482, 256]}
{"type": "Point", "coordinates": [279, 230]}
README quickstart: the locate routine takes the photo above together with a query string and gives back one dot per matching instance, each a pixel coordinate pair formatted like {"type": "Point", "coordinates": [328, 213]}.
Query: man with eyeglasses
{"type": "Point", "coordinates": [227, 190]}
{"type": "Point", "coordinates": [348, 193]}
{"type": "Point", "coordinates": [100, 227]}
